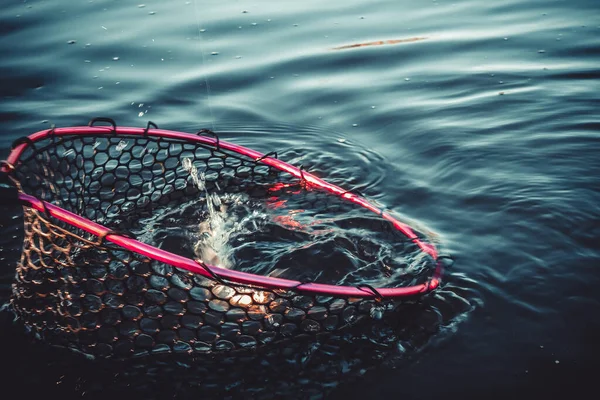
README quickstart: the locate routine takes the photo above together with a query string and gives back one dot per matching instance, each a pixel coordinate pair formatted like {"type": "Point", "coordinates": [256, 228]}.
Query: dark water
{"type": "Point", "coordinates": [485, 132]}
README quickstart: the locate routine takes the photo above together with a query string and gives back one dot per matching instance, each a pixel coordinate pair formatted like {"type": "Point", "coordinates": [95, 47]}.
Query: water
{"type": "Point", "coordinates": [483, 132]}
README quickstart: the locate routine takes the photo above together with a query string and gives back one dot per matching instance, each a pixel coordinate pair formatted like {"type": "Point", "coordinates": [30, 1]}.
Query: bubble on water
{"type": "Point", "coordinates": [556, 362]}
{"type": "Point", "coordinates": [355, 125]}
{"type": "Point", "coordinates": [541, 51]}
{"type": "Point", "coordinates": [407, 79]}
{"type": "Point", "coordinates": [115, 58]}
{"type": "Point", "coordinates": [141, 114]}
{"type": "Point", "coordinates": [214, 53]}
{"type": "Point", "coordinates": [152, 12]}
{"type": "Point", "coordinates": [72, 41]}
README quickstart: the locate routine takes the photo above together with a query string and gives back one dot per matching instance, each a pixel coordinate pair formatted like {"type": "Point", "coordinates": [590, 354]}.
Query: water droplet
{"type": "Point", "coordinates": [202, 30]}
{"type": "Point", "coordinates": [245, 12]}
{"type": "Point", "coordinates": [373, 107]}
{"type": "Point", "coordinates": [254, 24]}
{"type": "Point", "coordinates": [105, 28]}
{"type": "Point", "coordinates": [295, 24]}
{"type": "Point", "coordinates": [354, 125]}
{"type": "Point", "coordinates": [362, 18]}
{"type": "Point", "coordinates": [115, 58]}
{"type": "Point", "coordinates": [238, 57]}
{"type": "Point", "coordinates": [407, 79]}
{"type": "Point", "coordinates": [141, 114]}
{"type": "Point", "coordinates": [557, 362]}
{"type": "Point", "coordinates": [541, 51]}
{"type": "Point", "coordinates": [141, 5]}
{"type": "Point", "coordinates": [505, 38]}
{"type": "Point", "coordinates": [121, 145]}
{"type": "Point", "coordinates": [72, 42]}
{"type": "Point", "coordinates": [101, 87]}
{"type": "Point", "coordinates": [45, 121]}
{"type": "Point", "coordinates": [152, 12]}
{"type": "Point", "coordinates": [342, 140]}
{"type": "Point", "coordinates": [214, 53]}
{"type": "Point", "coordinates": [87, 61]}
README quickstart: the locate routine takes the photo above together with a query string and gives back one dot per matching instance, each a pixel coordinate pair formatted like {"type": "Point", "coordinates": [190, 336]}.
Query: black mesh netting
{"type": "Point", "coordinates": [77, 291]}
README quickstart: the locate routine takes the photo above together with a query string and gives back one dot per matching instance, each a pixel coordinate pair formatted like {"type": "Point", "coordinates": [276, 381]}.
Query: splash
{"type": "Point", "coordinates": [216, 227]}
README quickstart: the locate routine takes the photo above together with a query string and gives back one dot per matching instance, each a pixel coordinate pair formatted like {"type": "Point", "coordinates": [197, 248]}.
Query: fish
{"type": "Point", "coordinates": [379, 43]}
{"type": "Point", "coordinates": [205, 247]}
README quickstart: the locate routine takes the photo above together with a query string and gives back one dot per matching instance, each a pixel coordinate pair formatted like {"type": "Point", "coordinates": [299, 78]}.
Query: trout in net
{"type": "Point", "coordinates": [143, 242]}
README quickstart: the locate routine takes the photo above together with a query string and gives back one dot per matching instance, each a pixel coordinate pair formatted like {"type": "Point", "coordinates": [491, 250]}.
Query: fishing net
{"type": "Point", "coordinates": [85, 282]}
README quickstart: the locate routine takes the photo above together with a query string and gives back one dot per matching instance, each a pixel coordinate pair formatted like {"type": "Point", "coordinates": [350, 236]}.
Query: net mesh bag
{"type": "Point", "coordinates": [84, 281]}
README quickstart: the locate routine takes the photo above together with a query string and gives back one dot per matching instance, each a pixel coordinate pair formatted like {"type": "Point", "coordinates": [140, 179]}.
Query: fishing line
{"type": "Point", "coordinates": [208, 100]}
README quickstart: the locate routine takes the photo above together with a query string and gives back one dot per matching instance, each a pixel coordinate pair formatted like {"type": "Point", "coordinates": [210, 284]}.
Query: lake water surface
{"type": "Point", "coordinates": [474, 120]}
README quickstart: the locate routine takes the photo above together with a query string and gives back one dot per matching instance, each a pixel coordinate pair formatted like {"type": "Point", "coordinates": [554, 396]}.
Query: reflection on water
{"type": "Point", "coordinates": [379, 43]}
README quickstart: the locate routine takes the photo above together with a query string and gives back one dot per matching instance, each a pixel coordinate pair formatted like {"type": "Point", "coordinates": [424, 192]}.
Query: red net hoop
{"type": "Point", "coordinates": [84, 282]}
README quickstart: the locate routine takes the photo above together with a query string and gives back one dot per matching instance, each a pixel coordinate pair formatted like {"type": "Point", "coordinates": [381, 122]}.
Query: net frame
{"type": "Point", "coordinates": [207, 137]}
